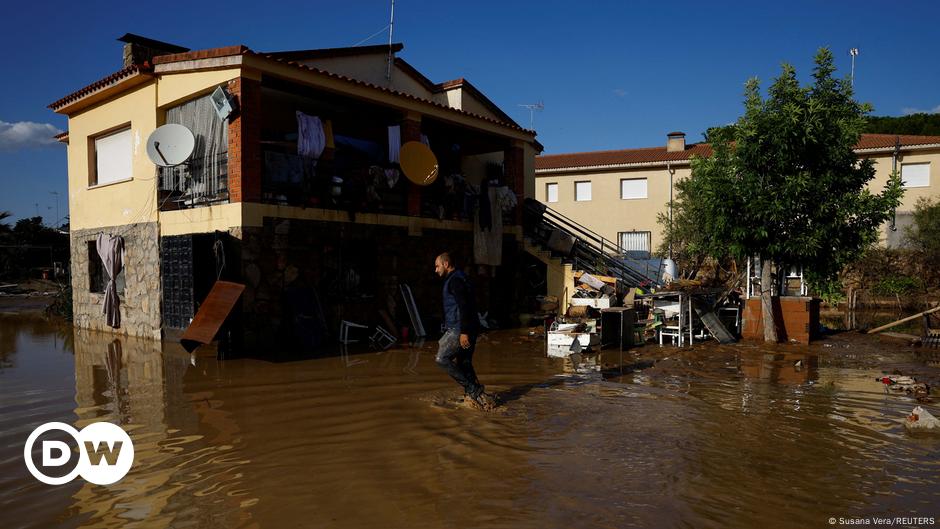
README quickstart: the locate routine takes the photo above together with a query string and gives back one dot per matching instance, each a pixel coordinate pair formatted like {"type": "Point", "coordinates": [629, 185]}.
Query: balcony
{"type": "Point", "coordinates": [197, 183]}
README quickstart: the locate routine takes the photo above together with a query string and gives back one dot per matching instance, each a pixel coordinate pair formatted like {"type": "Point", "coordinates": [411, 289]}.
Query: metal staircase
{"type": "Point", "coordinates": [586, 250]}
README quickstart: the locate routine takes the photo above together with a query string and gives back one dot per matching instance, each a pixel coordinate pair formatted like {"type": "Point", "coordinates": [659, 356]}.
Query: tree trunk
{"type": "Point", "coordinates": [766, 302]}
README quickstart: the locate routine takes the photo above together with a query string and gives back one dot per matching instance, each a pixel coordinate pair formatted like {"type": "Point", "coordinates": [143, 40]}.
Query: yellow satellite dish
{"type": "Point", "coordinates": [418, 163]}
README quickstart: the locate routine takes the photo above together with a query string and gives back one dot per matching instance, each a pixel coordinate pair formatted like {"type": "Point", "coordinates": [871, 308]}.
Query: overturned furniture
{"type": "Point", "coordinates": [682, 316]}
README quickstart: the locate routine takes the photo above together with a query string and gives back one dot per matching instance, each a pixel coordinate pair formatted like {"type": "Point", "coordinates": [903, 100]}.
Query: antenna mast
{"type": "Point", "coordinates": [391, 30]}
{"type": "Point", "coordinates": [533, 107]}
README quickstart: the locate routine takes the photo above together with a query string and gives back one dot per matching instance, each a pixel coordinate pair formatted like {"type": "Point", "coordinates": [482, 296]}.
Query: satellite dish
{"type": "Point", "coordinates": [170, 145]}
{"type": "Point", "coordinates": [418, 163]}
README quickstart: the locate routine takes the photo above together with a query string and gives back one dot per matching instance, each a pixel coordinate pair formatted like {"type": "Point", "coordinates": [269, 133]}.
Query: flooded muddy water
{"type": "Point", "coordinates": [714, 436]}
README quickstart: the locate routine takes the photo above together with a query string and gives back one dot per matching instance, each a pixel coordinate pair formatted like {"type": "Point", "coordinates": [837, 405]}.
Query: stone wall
{"type": "Point", "coordinates": [140, 301]}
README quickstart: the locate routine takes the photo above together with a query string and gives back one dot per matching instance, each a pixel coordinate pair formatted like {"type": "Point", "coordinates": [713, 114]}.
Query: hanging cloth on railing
{"type": "Point", "coordinates": [311, 139]}
{"type": "Point", "coordinates": [488, 244]}
{"type": "Point", "coordinates": [111, 250]}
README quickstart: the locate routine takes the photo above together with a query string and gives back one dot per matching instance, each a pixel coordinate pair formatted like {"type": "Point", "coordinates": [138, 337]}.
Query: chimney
{"type": "Point", "coordinates": [138, 50]}
{"type": "Point", "coordinates": [675, 142]}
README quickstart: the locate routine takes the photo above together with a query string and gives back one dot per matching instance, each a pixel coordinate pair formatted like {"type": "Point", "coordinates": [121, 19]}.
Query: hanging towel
{"type": "Point", "coordinates": [486, 206]}
{"type": "Point", "coordinates": [311, 140]}
{"type": "Point", "coordinates": [394, 142]}
{"type": "Point", "coordinates": [488, 245]}
{"type": "Point", "coordinates": [111, 250]}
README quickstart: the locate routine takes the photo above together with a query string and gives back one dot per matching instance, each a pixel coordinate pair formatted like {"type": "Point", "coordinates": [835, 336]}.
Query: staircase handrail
{"type": "Point", "coordinates": [587, 240]}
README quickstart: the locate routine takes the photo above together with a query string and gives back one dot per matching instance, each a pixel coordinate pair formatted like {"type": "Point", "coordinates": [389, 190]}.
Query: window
{"type": "Point", "coordinates": [582, 191]}
{"type": "Point", "coordinates": [915, 174]}
{"type": "Point", "coordinates": [112, 158]}
{"type": "Point", "coordinates": [97, 277]}
{"type": "Point", "coordinates": [633, 188]}
{"type": "Point", "coordinates": [551, 192]}
{"type": "Point", "coordinates": [634, 241]}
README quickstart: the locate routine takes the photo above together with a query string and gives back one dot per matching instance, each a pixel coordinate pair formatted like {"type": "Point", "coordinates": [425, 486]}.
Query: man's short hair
{"type": "Point", "coordinates": [445, 258]}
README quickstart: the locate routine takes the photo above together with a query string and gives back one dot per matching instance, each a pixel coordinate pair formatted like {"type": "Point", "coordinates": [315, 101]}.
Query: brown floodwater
{"type": "Point", "coordinates": [713, 436]}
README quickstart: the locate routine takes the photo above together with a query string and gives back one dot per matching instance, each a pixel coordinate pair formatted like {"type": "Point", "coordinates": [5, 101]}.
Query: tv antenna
{"type": "Point", "coordinates": [533, 108]}
{"type": "Point", "coordinates": [854, 53]}
{"type": "Point", "coordinates": [391, 31]}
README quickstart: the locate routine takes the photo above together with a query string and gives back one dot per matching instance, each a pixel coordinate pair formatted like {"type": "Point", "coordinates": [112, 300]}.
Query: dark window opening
{"type": "Point", "coordinates": [97, 276]}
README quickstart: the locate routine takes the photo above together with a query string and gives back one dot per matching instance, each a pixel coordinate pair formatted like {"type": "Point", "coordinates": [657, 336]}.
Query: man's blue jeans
{"type": "Point", "coordinates": [457, 361]}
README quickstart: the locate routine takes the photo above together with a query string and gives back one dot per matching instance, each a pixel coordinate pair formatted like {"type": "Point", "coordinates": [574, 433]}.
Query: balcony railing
{"type": "Point", "coordinates": [199, 182]}
{"type": "Point", "coordinates": [348, 185]}
{"type": "Point", "coordinates": [359, 187]}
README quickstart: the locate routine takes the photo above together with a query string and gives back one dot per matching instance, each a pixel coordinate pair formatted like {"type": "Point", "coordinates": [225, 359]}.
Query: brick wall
{"type": "Point", "coordinates": [244, 142]}
{"type": "Point", "coordinates": [797, 319]}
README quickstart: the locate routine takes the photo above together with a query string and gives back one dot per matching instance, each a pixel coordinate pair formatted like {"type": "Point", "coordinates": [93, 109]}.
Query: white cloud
{"type": "Point", "coordinates": [909, 110]}
{"type": "Point", "coordinates": [26, 134]}
{"type": "Point", "coordinates": [620, 92]}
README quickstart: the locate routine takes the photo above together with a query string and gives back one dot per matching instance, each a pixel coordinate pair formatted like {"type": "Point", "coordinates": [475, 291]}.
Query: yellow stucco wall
{"type": "Point", "coordinates": [372, 69]}
{"type": "Point", "coordinates": [176, 88]}
{"type": "Point", "coordinates": [883, 166]}
{"type": "Point", "coordinates": [606, 213]}
{"type": "Point", "coordinates": [221, 217]}
{"type": "Point", "coordinates": [124, 202]}
{"type": "Point", "coordinates": [133, 200]}
{"type": "Point", "coordinates": [469, 103]}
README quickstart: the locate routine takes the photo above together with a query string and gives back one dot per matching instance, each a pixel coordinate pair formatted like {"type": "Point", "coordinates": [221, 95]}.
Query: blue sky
{"type": "Point", "coordinates": [612, 75]}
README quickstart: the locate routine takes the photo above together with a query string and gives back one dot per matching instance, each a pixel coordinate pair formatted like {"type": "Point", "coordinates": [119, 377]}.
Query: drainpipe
{"type": "Point", "coordinates": [894, 169]}
{"type": "Point", "coordinates": [671, 172]}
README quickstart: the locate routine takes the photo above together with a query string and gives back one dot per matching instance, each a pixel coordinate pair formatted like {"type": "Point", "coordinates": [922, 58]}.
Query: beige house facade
{"type": "Point", "coordinates": [251, 207]}
{"type": "Point", "coordinates": [618, 194]}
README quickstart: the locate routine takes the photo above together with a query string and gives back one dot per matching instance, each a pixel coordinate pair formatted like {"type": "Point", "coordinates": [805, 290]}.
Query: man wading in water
{"type": "Point", "coordinates": [455, 349]}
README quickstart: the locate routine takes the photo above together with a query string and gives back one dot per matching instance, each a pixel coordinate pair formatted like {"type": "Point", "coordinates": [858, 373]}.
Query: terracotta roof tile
{"type": "Point", "coordinates": [102, 83]}
{"type": "Point", "coordinates": [621, 157]}
{"type": "Point", "coordinates": [295, 64]}
{"type": "Point", "coordinates": [280, 57]}
{"type": "Point", "coordinates": [880, 141]}
{"type": "Point", "coordinates": [659, 154]}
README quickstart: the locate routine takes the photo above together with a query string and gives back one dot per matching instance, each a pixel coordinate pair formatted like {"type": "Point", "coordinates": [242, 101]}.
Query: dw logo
{"type": "Point", "coordinates": [105, 453]}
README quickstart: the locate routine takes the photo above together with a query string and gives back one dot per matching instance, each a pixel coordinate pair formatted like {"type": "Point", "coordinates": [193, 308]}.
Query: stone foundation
{"type": "Point", "coordinates": [140, 301]}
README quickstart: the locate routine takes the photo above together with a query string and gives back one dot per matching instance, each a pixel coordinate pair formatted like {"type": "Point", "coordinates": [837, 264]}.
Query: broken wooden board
{"type": "Point", "coordinates": [212, 313]}
{"type": "Point", "coordinates": [606, 279]}
{"type": "Point", "coordinates": [904, 320]}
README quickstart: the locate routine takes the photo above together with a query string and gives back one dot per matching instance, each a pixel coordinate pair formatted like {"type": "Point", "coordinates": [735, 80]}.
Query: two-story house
{"type": "Point", "coordinates": [297, 193]}
{"type": "Point", "coordinates": [619, 194]}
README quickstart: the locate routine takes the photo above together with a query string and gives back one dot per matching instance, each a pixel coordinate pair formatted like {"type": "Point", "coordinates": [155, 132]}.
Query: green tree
{"type": "Point", "coordinates": [784, 183]}
{"type": "Point", "coordinates": [920, 124]}
{"type": "Point", "coordinates": [923, 238]}
{"type": "Point", "coordinates": [4, 227]}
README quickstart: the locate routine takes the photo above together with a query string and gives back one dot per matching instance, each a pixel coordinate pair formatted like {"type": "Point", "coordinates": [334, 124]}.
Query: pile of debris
{"type": "Point", "coordinates": [599, 292]}
{"type": "Point", "coordinates": [578, 330]}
